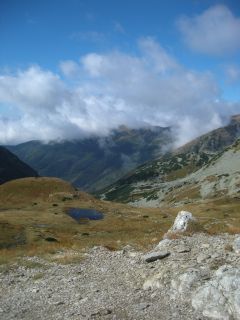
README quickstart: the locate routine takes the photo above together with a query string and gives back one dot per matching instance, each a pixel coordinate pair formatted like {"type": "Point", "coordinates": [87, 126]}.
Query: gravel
{"type": "Point", "coordinates": [116, 284]}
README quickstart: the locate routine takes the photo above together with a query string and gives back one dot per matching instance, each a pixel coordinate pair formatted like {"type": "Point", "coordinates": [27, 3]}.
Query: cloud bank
{"type": "Point", "coordinates": [215, 32]}
{"type": "Point", "coordinates": [149, 88]}
{"type": "Point", "coordinates": [232, 73]}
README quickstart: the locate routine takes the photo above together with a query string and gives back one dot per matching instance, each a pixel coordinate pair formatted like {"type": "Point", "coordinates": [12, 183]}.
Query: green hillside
{"type": "Point", "coordinates": [94, 163]}
{"type": "Point", "coordinates": [175, 176]}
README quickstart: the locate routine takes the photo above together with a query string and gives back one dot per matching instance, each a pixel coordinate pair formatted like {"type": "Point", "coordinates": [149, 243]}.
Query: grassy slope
{"type": "Point", "coordinates": [146, 181]}
{"type": "Point", "coordinates": [220, 177]}
{"type": "Point", "coordinates": [25, 226]}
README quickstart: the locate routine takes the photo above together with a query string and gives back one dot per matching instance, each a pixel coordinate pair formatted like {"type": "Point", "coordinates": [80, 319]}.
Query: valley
{"type": "Point", "coordinates": [50, 229]}
{"type": "Point", "coordinates": [202, 177]}
{"type": "Point", "coordinates": [52, 266]}
{"type": "Point", "coordinates": [120, 160]}
{"type": "Point", "coordinates": [34, 219]}
{"type": "Point", "coordinates": [95, 162]}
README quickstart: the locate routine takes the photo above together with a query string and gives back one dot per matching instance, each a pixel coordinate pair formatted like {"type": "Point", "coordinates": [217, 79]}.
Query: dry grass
{"type": "Point", "coordinates": [184, 194]}
{"type": "Point", "coordinates": [16, 192]}
{"type": "Point", "coordinates": [33, 224]}
{"type": "Point", "coordinates": [233, 229]}
{"type": "Point", "coordinates": [25, 228]}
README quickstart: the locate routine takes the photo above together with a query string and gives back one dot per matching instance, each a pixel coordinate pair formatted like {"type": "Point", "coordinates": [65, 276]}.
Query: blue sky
{"type": "Point", "coordinates": [69, 63]}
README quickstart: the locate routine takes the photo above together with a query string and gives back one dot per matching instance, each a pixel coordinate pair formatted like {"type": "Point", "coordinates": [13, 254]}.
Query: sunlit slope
{"type": "Point", "coordinates": [32, 189]}
{"type": "Point", "coordinates": [200, 170]}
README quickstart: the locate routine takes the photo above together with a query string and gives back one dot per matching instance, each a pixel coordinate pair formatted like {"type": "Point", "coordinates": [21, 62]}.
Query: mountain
{"type": "Point", "coordinates": [214, 141]}
{"type": "Point", "coordinates": [207, 167]}
{"type": "Point", "coordinates": [95, 163]}
{"type": "Point", "coordinates": [11, 167]}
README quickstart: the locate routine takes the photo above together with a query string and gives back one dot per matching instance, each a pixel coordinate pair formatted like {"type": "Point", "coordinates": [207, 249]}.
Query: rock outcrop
{"type": "Point", "coordinates": [199, 279]}
{"type": "Point", "coordinates": [181, 222]}
{"type": "Point", "coordinates": [219, 298]}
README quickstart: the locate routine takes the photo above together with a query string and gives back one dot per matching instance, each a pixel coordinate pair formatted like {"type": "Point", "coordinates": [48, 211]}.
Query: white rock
{"type": "Point", "coordinates": [185, 282]}
{"type": "Point", "coordinates": [202, 257]}
{"type": "Point", "coordinates": [205, 246]}
{"type": "Point", "coordinates": [219, 298]}
{"type": "Point", "coordinates": [157, 281]}
{"type": "Point", "coordinates": [181, 221]}
{"type": "Point", "coordinates": [163, 244]}
{"type": "Point", "coordinates": [236, 245]}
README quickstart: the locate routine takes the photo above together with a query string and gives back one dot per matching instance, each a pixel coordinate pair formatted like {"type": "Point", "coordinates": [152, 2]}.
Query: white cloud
{"type": "Point", "coordinates": [69, 68]}
{"type": "Point", "coordinates": [216, 31]}
{"type": "Point", "coordinates": [161, 61]}
{"type": "Point", "coordinates": [32, 90]}
{"type": "Point", "coordinates": [150, 88]}
{"type": "Point", "coordinates": [232, 73]}
{"type": "Point", "coordinates": [92, 63]}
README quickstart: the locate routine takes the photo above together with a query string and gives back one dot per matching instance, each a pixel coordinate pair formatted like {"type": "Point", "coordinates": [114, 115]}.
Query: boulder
{"type": "Point", "coordinates": [183, 283]}
{"type": "Point", "coordinates": [219, 298]}
{"type": "Point", "coordinates": [181, 222]}
{"type": "Point", "coordinates": [156, 255]}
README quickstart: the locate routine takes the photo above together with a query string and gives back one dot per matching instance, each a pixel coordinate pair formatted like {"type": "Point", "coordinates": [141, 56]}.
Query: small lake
{"type": "Point", "coordinates": [82, 215]}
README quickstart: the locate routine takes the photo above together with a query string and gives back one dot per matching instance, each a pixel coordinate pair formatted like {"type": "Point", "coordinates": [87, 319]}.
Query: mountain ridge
{"type": "Point", "coordinates": [164, 180]}
{"type": "Point", "coordinates": [214, 140]}
{"type": "Point", "coordinates": [94, 163]}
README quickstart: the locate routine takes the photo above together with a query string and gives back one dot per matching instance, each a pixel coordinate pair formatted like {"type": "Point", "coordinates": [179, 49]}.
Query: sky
{"type": "Point", "coordinates": [75, 68]}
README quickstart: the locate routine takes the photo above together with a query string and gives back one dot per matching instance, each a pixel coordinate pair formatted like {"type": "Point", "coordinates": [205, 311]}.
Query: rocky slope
{"type": "Point", "coordinates": [94, 163]}
{"type": "Point", "coordinates": [11, 167]}
{"type": "Point", "coordinates": [198, 279]}
{"type": "Point", "coordinates": [202, 169]}
{"type": "Point", "coordinates": [214, 141]}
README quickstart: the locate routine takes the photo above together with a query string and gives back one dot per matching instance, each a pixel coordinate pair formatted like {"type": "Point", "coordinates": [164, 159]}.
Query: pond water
{"type": "Point", "coordinates": [82, 215]}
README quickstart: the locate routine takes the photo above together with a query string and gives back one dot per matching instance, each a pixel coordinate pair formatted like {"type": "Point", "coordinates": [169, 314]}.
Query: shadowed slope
{"type": "Point", "coordinates": [11, 167]}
